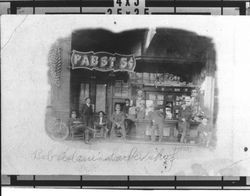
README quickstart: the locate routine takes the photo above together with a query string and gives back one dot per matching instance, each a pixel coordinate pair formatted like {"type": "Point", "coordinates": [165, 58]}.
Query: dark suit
{"type": "Point", "coordinates": [87, 115]}
{"type": "Point", "coordinates": [186, 114]}
{"type": "Point", "coordinates": [126, 109]}
{"type": "Point", "coordinates": [127, 122]}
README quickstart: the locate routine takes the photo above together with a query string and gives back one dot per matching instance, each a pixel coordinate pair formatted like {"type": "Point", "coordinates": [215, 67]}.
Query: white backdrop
{"type": "Point", "coordinates": [25, 42]}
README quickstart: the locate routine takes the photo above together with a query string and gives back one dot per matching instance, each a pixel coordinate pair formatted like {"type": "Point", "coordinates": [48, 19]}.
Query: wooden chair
{"type": "Point", "coordinates": [78, 132]}
{"type": "Point", "coordinates": [100, 131]}
{"type": "Point", "coordinates": [118, 132]}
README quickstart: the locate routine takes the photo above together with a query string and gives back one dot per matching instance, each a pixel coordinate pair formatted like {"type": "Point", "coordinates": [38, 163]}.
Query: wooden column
{"type": "Point", "coordinates": [92, 89]}
{"type": "Point", "coordinates": [60, 95]}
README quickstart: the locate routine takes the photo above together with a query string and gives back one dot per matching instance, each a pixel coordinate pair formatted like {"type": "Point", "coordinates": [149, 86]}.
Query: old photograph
{"type": "Point", "coordinates": [140, 85]}
{"type": "Point", "coordinates": [115, 95]}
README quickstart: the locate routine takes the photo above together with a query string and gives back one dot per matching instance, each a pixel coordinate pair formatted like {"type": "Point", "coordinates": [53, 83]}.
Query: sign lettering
{"type": "Point", "coordinates": [102, 61]}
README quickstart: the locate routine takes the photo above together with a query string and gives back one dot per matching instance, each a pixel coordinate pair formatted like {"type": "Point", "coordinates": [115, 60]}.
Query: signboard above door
{"type": "Point", "coordinates": [102, 61]}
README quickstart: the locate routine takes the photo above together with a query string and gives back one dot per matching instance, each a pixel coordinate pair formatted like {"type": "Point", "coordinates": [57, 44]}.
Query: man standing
{"type": "Point", "coordinates": [127, 121]}
{"type": "Point", "coordinates": [184, 118]}
{"type": "Point", "coordinates": [87, 113]}
{"type": "Point", "coordinates": [157, 119]}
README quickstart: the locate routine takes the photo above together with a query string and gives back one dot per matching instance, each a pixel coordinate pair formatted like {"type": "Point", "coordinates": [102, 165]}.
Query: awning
{"type": "Point", "coordinates": [175, 51]}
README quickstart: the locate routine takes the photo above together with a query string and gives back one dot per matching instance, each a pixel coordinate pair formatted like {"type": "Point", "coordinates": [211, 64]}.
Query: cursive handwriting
{"type": "Point", "coordinates": [167, 158]}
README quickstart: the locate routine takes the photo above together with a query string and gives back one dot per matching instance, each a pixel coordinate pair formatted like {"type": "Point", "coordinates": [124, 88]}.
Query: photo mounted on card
{"type": "Point", "coordinates": [125, 95]}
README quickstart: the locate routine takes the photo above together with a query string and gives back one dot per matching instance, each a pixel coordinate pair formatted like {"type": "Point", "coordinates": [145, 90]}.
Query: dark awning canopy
{"type": "Point", "coordinates": [175, 51]}
{"type": "Point", "coordinates": [126, 42]}
{"type": "Point", "coordinates": [178, 44]}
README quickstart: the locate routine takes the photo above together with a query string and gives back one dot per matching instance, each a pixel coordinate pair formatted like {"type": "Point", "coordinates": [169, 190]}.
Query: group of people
{"type": "Point", "coordinates": [121, 122]}
{"type": "Point", "coordinates": [118, 124]}
{"type": "Point", "coordinates": [189, 113]}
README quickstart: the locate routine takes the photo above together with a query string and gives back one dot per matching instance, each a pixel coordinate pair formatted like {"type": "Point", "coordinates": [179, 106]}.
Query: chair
{"type": "Point", "coordinates": [78, 132]}
{"type": "Point", "coordinates": [118, 132]}
{"type": "Point", "coordinates": [100, 131]}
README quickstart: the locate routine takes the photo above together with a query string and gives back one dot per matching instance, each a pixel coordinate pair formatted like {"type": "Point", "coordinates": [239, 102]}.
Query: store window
{"type": "Point", "coordinates": [155, 97]}
{"type": "Point", "coordinates": [121, 89]}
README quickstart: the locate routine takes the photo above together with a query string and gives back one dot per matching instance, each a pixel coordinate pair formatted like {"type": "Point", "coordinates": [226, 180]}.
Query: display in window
{"type": "Point", "coordinates": [159, 102]}
{"type": "Point", "coordinates": [140, 104]}
{"type": "Point", "coordinates": [152, 96]}
{"type": "Point", "coordinates": [160, 97]}
{"type": "Point", "coordinates": [168, 113]}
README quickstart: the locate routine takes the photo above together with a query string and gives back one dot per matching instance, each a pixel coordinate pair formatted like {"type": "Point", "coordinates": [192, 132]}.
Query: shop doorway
{"type": "Point", "coordinates": [96, 92]}
{"type": "Point", "coordinates": [101, 98]}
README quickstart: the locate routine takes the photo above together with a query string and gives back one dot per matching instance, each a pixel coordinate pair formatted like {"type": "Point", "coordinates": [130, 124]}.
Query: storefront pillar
{"type": "Point", "coordinates": [59, 74]}
{"type": "Point", "coordinates": [92, 89]}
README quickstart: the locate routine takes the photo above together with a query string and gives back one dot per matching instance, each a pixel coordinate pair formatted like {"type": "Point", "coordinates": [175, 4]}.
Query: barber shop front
{"type": "Point", "coordinates": [145, 85]}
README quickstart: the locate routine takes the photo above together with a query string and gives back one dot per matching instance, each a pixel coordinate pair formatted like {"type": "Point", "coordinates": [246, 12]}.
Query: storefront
{"type": "Point", "coordinates": [159, 67]}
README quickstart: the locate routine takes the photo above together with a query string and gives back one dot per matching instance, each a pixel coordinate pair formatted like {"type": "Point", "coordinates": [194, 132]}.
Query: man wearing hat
{"type": "Point", "coordinates": [185, 117]}
{"type": "Point", "coordinates": [87, 113]}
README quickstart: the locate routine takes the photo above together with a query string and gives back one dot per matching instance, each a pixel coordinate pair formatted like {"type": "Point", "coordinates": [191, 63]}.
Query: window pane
{"type": "Point", "coordinates": [118, 92]}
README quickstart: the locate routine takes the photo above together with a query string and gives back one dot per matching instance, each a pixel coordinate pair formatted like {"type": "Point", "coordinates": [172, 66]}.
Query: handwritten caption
{"type": "Point", "coordinates": [134, 154]}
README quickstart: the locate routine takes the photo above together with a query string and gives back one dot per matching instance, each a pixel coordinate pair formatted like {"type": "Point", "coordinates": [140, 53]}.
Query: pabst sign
{"type": "Point", "coordinates": [102, 61]}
